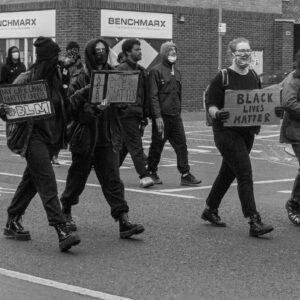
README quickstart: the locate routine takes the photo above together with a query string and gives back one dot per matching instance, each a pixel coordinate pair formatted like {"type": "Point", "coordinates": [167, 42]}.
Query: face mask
{"type": "Point", "coordinates": [172, 59]}
{"type": "Point", "coordinates": [242, 61]}
{"type": "Point", "coordinates": [15, 55]}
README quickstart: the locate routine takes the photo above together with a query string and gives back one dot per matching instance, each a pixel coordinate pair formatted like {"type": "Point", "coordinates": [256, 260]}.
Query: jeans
{"type": "Point", "coordinates": [296, 188]}
{"type": "Point", "coordinates": [106, 165]}
{"type": "Point", "coordinates": [132, 143]}
{"type": "Point", "coordinates": [174, 132]}
{"type": "Point", "coordinates": [38, 177]}
{"type": "Point", "coordinates": [235, 149]}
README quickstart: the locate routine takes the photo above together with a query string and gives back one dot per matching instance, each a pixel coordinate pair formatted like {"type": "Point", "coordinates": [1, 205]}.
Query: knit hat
{"type": "Point", "coordinates": [166, 47]}
{"type": "Point", "coordinates": [72, 45]}
{"type": "Point", "coordinates": [46, 48]}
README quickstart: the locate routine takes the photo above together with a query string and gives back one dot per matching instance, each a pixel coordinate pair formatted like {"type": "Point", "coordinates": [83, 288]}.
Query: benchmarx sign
{"type": "Point", "coordinates": [120, 23]}
{"type": "Point", "coordinates": [27, 24]}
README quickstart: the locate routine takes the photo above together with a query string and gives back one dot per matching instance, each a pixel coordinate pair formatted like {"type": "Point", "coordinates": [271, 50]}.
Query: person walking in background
{"type": "Point", "coordinates": [234, 143]}
{"type": "Point", "coordinates": [133, 117]}
{"type": "Point", "coordinates": [13, 66]}
{"type": "Point", "coordinates": [165, 97]}
{"type": "Point", "coordinates": [37, 140]}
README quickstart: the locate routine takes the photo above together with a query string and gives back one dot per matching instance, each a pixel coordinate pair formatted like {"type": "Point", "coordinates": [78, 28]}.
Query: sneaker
{"type": "Point", "coordinates": [70, 223]}
{"type": "Point", "coordinates": [15, 230]}
{"type": "Point", "coordinates": [189, 180]}
{"type": "Point", "coordinates": [293, 210]}
{"type": "Point", "coordinates": [146, 182]}
{"type": "Point", "coordinates": [127, 229]}
{"type": "Point", "coordinates": [211, 215]}
{"type": "Point", "coordinates": [155, 178]}
{"type": "Point", "coordinates": [257, 227]}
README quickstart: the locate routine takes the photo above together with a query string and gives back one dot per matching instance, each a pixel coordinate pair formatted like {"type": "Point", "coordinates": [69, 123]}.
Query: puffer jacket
{"type": "Point", "coordinates": [290, 128]}
{"type": "Point", "coordinates": [85, 132]}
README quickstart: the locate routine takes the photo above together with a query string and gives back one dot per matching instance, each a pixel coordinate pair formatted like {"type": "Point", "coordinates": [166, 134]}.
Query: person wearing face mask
{"type": "Point", "coordinates": [133, 117]}
{"type": "Point", "coordinates": [165, 98]}
{"type": "Point", "coordinates": [234, 143]}
{"type": "Point", "coordinates": [13, 66]}
{"type": "Point", "coordinates": [36, 141]}
{"type": "Point", "coordinates": [96, 142]}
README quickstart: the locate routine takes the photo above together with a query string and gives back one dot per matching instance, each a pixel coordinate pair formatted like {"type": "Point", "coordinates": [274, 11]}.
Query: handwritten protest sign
{"type": "Point", "coordinates": [251, 108]}
{"type": "Point", "coordinates": [27, 101]}
{"type": "Point", "coordinates": [115, 86]}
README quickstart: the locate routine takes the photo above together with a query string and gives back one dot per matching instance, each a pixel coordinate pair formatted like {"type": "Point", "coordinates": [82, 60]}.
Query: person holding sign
{"type": "Point", "coordinates": [165, 97]}
{"type": "Point", "coordinates": [96, 142]}
{"type": "Point", "coordinates": [133, 117]}
{"type": "Point", "coordinates": [37, 140]}
{"type": "Point", "coordinates": [234, 143]}
{"type": "Point", "coordinates": [290, 133]}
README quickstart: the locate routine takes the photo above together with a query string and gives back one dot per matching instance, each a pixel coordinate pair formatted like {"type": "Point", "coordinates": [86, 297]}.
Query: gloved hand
{"type": "Point", "coordinates": [222, 115]}
{"type": "Point", "coordinates": [143, 125]}
{"type": "Point", "coordinates": [279, 110]}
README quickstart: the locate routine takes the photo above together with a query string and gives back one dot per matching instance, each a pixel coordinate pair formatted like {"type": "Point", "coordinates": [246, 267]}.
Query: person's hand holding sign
{"type": "Point", "coordinates": [279, 110]}
{"type": "Point", "coordinates": [160, 126]}
{"type": "Point", "coordinates": [103, 105]}
{"type": "Point", "coordinates": [222, 115]}
{"type": "Point", "coordinates": [4, 110]}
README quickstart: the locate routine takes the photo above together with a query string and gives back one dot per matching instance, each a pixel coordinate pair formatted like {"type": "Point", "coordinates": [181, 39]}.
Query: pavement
{"type": "Point", "coordinates": [178, 256]}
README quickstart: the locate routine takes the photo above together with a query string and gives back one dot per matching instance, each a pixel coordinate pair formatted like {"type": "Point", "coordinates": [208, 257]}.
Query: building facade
{"type": "Point", "coordinates": [271, 26]}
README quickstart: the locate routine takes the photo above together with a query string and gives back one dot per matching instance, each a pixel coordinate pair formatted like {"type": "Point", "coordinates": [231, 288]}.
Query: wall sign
{"type": "Point", "coordinates": [27, 24]}
{"type": "Point", "coordinates": [120, 23]}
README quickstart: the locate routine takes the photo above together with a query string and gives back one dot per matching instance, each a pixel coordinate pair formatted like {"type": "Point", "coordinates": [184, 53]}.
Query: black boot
{"type": "Point", "coordinates": [66, 238]}
{"type": "Point", "coordinates": [257, 227]}
{"type": "Point", "coordinates": [70, 223]}
{"type": "Point", "coordinates": [293, 210]}
{"type": "Point", "coordinates": [15, 230]}
{"type": "Point", "coordinates": [127, 229]}
{"type": "Point", "coordinates": [212, 216]}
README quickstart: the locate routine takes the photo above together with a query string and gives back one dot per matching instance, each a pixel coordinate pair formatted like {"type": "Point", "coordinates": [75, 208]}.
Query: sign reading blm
{"type": "Point", "coordinates": [27, 101]}
{"type": "Point", "coordinates": [114, 86]}
{"type": "Point", "coordinates": [251, 108]}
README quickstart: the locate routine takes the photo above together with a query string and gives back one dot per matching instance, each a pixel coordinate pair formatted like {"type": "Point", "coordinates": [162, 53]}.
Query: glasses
{"type": "Point", "coordinates": [243, 51]}
{"type": "Point", "coordinates": [100, 50]}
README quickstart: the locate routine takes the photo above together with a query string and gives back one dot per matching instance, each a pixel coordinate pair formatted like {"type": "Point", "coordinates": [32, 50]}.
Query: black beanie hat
{"type": "Point", "coordinates": [72, 45]}
{"type": "Point", "coordinates": [46, 48]}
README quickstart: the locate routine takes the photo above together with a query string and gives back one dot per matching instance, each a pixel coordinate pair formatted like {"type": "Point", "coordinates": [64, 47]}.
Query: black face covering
{"type": "Point", "coordinates": [101, 58]}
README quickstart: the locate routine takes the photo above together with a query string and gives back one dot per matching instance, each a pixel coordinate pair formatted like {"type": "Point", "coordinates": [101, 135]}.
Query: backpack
{"type": "Point", "coordinates": [225, 83]}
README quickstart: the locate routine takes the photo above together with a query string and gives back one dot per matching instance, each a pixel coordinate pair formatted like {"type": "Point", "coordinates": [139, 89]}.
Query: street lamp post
{"type": "Point", "coordinates": [220, 36]}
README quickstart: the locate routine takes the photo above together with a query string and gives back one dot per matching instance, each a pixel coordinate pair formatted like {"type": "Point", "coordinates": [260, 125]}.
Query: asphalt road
{"type": "Point", "coordinates": [179, 256]}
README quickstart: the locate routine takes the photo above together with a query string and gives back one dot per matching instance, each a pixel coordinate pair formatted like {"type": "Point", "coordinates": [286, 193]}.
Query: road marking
{"type": "Point", "coordinates": [284, 192]}
{"type": "Point", "coordinates": [208, 147]}
{"type": "Point", "coordinates": [198, 150]}
{"type": "Point", "coordinates": [156, 192]}
{"type": "Point", "coordinates": [234, 184]}
{"type": "Point", "coordinates": [60, 286]}
{"type": "Point", "coordinates": [259, 137]}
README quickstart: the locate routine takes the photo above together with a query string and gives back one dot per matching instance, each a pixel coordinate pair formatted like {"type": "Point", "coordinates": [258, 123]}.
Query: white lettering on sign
{"type": "Point", "coordinates": [116, 23]}
{"type": "Point", "coordinates": [251, 108]}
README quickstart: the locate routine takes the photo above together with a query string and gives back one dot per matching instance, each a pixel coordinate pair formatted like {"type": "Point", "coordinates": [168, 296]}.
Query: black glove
{"type": "Point", "coordinates": [222, 115]}
{"type": "Point", "coordinates": [88, 114]}
{"type": "Point", "coordinates": [279, 110]}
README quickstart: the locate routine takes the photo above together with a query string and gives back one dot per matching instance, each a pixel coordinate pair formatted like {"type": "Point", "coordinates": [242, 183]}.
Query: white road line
{"type": "Point", "coordinates": [198, 150]}
{"type": "Point", "coordinates": [60, 286]}
{"type": "Point", "coordinates": [208, 147]}
{"type": "Point", "coordinates": [259, 137]}
{"type": "Point", "coordinates": [234, 184]}
{"type": "Point", "coordinates": [284, 192]}
{"type": "Point", "coordinates": [156, 192]}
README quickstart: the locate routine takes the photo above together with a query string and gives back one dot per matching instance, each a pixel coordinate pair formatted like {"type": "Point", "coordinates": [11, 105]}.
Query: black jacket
{"type": "Point", "coordinates": [141, 108]}
{"type": "Point", "coordinates": [10, 72]}
{"type": "Point", "coordinates": [86, 132]}
{"type": "Point", "coordinates": [165, 90]}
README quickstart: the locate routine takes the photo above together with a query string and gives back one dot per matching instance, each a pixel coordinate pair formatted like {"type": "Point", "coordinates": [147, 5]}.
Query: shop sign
{"type": "Point", "coordinates": [120, 23]}
{"type": "Point", "coordinates": [27, 24]}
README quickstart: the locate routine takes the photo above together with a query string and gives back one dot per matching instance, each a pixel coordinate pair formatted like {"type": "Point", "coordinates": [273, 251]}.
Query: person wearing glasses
{"type": "Point", "coordinates": [234, 143]}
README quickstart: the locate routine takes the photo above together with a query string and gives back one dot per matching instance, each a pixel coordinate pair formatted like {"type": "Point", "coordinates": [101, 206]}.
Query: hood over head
{"type": "Point", "coordinates": [9, 59]}
{"type": "Point", "coordinates": [165, 49]}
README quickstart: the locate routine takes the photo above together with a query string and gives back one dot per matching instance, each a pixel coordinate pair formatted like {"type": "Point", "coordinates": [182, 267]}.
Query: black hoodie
{"type": "Point", "coordinates": [104, 130]}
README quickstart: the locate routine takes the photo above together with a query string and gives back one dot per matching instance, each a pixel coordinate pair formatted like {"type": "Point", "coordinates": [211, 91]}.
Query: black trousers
{"type": "Point", "coordinates": [174, 132]}
{"type": "Point", "coordinates": [106, 165]}
{"type": "Point", "coordinates": [38, 177]}
{"type": "Point", "coordinates": [132, 143]}
{"type": "Point", "coordinates": [235, 149]}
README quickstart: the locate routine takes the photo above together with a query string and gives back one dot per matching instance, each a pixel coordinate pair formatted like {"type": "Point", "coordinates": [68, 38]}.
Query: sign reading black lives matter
{"type": "Point", "coordinates": [115, 86]}
{"type": "Point", "coordinates": [253, 107]}
{"type": "Point", "coordinates": [27, 101]}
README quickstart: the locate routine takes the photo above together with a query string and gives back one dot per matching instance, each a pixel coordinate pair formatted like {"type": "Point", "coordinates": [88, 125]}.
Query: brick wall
{"type": "Point", "coordinates": [197, 38]}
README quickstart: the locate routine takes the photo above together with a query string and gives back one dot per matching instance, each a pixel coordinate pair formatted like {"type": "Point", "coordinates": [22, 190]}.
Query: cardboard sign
{"type": "Point", "coordinates": [115, 86]}
{"type": "Point", "coordinates": [27, 101]}
{"type": "Point", "coordinates": [252, 108]}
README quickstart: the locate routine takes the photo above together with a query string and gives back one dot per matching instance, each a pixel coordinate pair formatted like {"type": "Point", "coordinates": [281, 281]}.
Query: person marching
{"type": "Point", "coordinates": [290, 133]}
{"type": "Point", "coordinates": [234, 143]}
{"type": "Point", "coordinates": [13, 66]}
{"type": "Point", "coordinates": [165, 97]}
{"type": "Point", "coordinates": [37, 141]}
{"type": "Point", "coordinates": [95, 142]}
{"type": "Point", "coordinates": [133, 117]}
